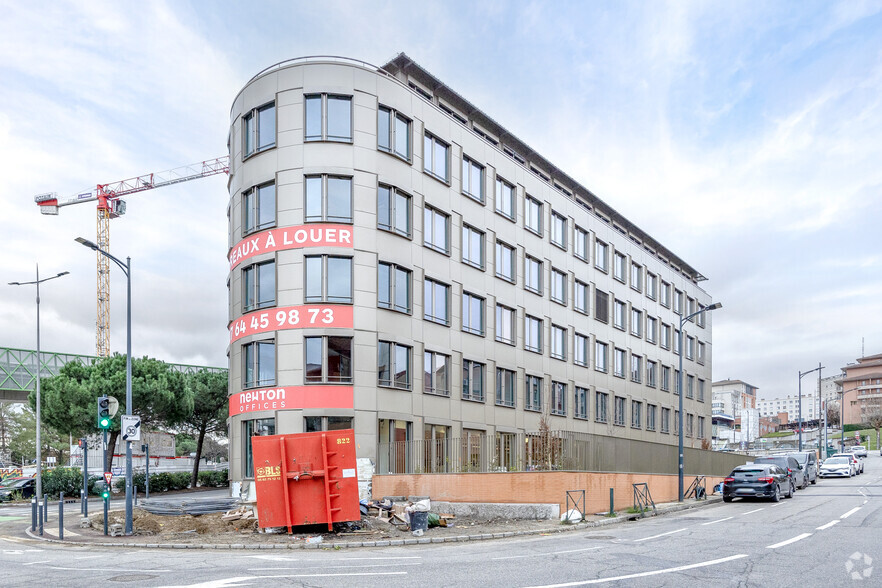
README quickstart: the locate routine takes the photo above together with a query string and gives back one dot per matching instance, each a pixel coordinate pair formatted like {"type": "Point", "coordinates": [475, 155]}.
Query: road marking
{"type": "Point", "coordinates": [132, 570]}
{"type": "Point", "coordinates": [238, 580]}
{"type": "Point", "coordinates": [548, 554]}
{"type": "Point", "coordinates": [851, 512]}
{"type": "Point", "coordinates": [752, 511]}
{"type": "Point", "coordinates": [33, 563]}
{"type": "Point", "coordinates": [703, 564]}
{"type": "Point", "coordinates": [789, 541]}
{"type": "Point", "coordinates": [779, 504]}
{"type": "Point", "coordinates": [299, 559]}
{"type": "Point", "coordinates": [827, 526]}
{"type": "Point", "coordinates": [661, 535]}
{"type": "Point", "coordinates": [718, 521]}
{"type": "Point", "coordinates": [325, 567]}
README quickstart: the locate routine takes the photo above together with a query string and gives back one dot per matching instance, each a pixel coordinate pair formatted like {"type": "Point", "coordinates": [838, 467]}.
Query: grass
{"type": "Point", "coordinates": [778, 434]}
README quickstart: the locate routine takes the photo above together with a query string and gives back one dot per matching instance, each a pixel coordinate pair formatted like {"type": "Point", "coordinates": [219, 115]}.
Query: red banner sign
{"type": "Point", "coordinates": [314, 235]}
{"type": "Point", "coordinates": [291, 397]}
{"type": "Point", "coordinates": [292, 317]}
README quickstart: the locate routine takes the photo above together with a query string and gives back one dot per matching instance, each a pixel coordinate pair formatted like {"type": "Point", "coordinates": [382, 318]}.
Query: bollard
{"type": "Point", "coordinates": [33, 514]}
{"type": "Point", "coordinates": [81, 502]}
{"type": "Point", "coordinates": [135, 494]}
{"type": "Point", "coordinates": [40, 517]}
{"type": "Point", "coordinates": [105, 516]}
{"type": "Point", "coordinates": [611, 510]}
{"type": "Point", "coordinates": [61, 516]}
{"type": "Point", "coordinates": [45, 508]}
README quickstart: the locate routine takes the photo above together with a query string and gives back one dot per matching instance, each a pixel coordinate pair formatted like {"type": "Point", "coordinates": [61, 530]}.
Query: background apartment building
{"type": "Point", "coordinates": [861, 387]}
{"type": "Point", "coordinates": [403, 265]}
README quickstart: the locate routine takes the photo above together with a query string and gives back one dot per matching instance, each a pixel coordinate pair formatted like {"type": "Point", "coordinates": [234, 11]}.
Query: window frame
{"type": "Point", "coordinates": [394, 194]}
{"type": "Point", "coordinates": [601, 360]}
{"type": "Point", "coordinates": [619, 411]}
{"type": "Point", "coordinates": [636, 414]}
{"type": "Point", "coordinates": [533, 212]}
{"type": "Point", "coordinates": [430, 360]}
{"type": "Point", "coordinates": [581, 354]}
{"type": "Point", "coordinates": [325, 378]}
{"type": "Point", "coordinates": [500, 314]}
{"type": "Point", "coordinates": [533, 393]}
{"type": "Point", "coordinates": [252, 205]}
{"type": "Point", "coordinates": [533, 325]}
{"type": "Point", "coordinates": [601, 406]}
{"type": "Point", "coordinates": [581, 303]}
{"type": "Point", "coordinates": [580, 402]}
{"type": "Point", "coordinates": [620, 267]}
{"type": "Point", "coordinates": [580, 243]}
{"type": "Point", "coordinates": [393, 287]}
{"type": "Point", "coordinates": [538, 266]}
{"type": "Point", "coordinates": [558, 288]}
{"type": "Point", "coordinates": [467, 380]}
{"type": "Point", "coordinates": [430, 317]}
{"type": "Point", "coordinates": [433, 141]}
{"type": "Point", "coordinates": [392, 353]}
{"type": "Point", "coordinates": [468, 167]}
{"type": "Point", "coordinates": [558, 404]}
{"type": "Point", "coordinates": [251, 130]}
{"type": "Point", "coordinates": [325, 217]}
{"type": "Point", "coordinates": [558, 342]}
{"type": "Point", "coordinates": [601, 256]}
{"type": "Point", "coordinates": [558, 234]}
{"type": "Point", "coordinates": [466, 244]}
{"type": "Point", "coordinates": [620, 360]}
{"type": "Point", "coordinates": [504, 375]}
{"type": "Point", "coordinates": [325, 273]}
{"type": "Point", "coordinates": [433, 213]}
{"type": "Point", "coordinates": [500, 184]}
{"type": "Point", "coordinates": [324, 134]}
{"type": "Point", "coordinates": [394, 116]}
{"type": "Point", "coordinates": [503, 246]}
{"type": "Point", "coordinates": [255, 363]}
{"type": "Point", "coordinates": [256, 283]}
{"type": "Point", "coordinates": [467, 327]}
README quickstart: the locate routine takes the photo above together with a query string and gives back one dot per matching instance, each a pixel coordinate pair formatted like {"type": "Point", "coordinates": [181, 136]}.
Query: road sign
{"type": "Point", "coordinates": [114, 406]}
{"type": "Point", "coordinates": [131, 428]}
{"type": "Point", "coordinates": [108, 476]}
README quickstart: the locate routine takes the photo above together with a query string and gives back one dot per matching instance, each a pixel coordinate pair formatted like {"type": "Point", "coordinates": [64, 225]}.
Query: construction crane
{"type": "Point", "coordinates": [110, 205]}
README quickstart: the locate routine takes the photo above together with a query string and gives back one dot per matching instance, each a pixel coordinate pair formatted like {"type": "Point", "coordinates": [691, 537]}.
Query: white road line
{"type": "Point", "coordinates": [33, 563]}
{"type": "Point", "coordinates": [324, 567]}
{"type": "Point", "coordinates": [827, 526]}
{"type": "Point", "coordinates": [302, 559]}
{"type": "Point", "coordinates": [661, 535]}
{"type": "Point", "coordinates": [718, 521]}
{"type": "Point", "coordinates": [789, 541]}
{"type": "Point", "coordinates": [779, 504]}
{"type": "Point", "coordinates": [703, 564]}
{"type": "Point", "coordinates": [752, 511]}
{"type": "Point", "coordinates": [549, 554]}
{"type": "Point", "coordinates": [851, 512]}
{"type": "Point", "coordinates": [142, 570]}
{"type": "Point", "coordinates": [238, 581]}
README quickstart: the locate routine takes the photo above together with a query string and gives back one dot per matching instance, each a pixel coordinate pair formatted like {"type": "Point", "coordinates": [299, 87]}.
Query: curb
{"type": "Point", "coordinates": [392, 542]}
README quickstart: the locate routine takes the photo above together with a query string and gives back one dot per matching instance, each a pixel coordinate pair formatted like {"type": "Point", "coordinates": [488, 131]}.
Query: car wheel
{"type": "Point", "coordinates": [792, 491]}
{"type": "Point", "coordinates": [815, 481]}
{"type": "Point", "coordinates": [727, 499]}
{"type": "Point", "coordinates": [805, 483]}
{"type": "Point", "coordinates": [776, 497]}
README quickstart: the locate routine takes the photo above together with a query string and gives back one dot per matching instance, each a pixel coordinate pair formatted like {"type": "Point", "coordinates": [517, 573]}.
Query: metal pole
{"type": "Point", "coordinates": [800, 411]}
{"type": "Point", "coordinates": [819, 406]}
{"type": "Point", "coordinates": [147, 475]}
{"type": "Point", "coordinates": [39, 369]}
{"type": "Point", "coordinates": [40, 517]}
{"type": "Point", "coordinates": [33, 514]}
{"type": "Point", "coordinates": [106, 501]}
{"type": "Point", "coordinates": [611, 509]}
{"type": "Point", "coordinates": [680, 415]}
{"type": "Point", "coordinates": [61, 516]}
{"type": "Point", "coordinates": [45, 508]}
{"type": "Point", "coordinates": [85, 477]}
{"type": "Point", "coordinates": [129, 394]}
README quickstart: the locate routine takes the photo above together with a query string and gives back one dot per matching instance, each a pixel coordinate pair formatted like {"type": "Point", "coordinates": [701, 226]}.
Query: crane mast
{"type": "Point", "coordinates": [110, 205]}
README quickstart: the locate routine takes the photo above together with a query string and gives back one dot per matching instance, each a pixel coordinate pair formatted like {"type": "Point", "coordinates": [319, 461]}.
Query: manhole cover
{"type": "Point", "coordinates": [132, 578]}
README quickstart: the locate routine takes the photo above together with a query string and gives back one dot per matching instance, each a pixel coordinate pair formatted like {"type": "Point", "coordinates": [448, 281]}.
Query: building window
{"type": "Point", "coordinates": [558, 230]}
{"type": "Point", "coordinates": [677, 383]}
{"type": "Point", "coordinates": [505, 261]}
{"type": "Point", "coordinates": [254, 428]}
{"type": "Point", "coordinates": [558, 287]}
{"type": "Point", "coordinates": [472, 314]}
{"type": "Point", "coordinates": [259, 358]}
{"type": "Point", "coordinates": [436, 158]}
{"type": "Point", "coordinates": [558, 342]}
{"type": "Point", "coordinates": [328, 279]}
{"type": "Point", "coordinates": [580, 243]}
{"type": "Point", "coordinates": [665, 336]}
{"type": "Point", "coordinates": [701, 427]}
{"type": "Point", "coordinates": [665, 295]}
{"type": "Point", "coordinates": [533, 274]}
{"type": "Point", "coordinates": [472, 179]}
{"type": "Point", "coordinates": [505, 198]}
{"type": "Point", "coordinates": [328, 118]}
{"type": "Point", "coordinates": [393, 132]}
{"type": "Point", "coordinates": [701, 390]}
{"type": "Point", "coordinates": [259, 286]}
{"type": "Point", "coordinates": [620, 263]}
{"type": "Point", "coordinates": [678, 302]}
{"type": "Point", "coordinates": [636, 322]}
{"type": "Point", "coordinates": [533, 215]}
{"type": "Point", "coordinates": [393, 365]}
{"type": "Point", "coordinates": [601, 306]}
{"type": "Point", "coordinates": [328, 360]}
{"type": "Point", "coordinates": [328, 199]}
{"type": "Point", "coordinates": [690, 386]}
{"type": "Point", "coordinates": [677, 341]}
{"type": "Point", "coordinates": [259, 129]}
{"type": "Point", "coordinates": [533, 390]}
{"type": "Point", "coordinates": [580, 350]}
{"type": "Point", "coordinates": [436, 301]}
{"type": "Point", "coordinates": [636, 368]}
{"type": "Point", "coordinates": [601, 361]}
{"type": "Point", "coordinates": [651, 287]}
{"type": "Point", "coordinates": [316, 424]}
{"type": "Point", "coordinates": [394, 211]}
{"type": "Point", "coordinates": [580, 403]}
{"type": "Point", "coordinates": [651, 374]}
{"type": "Point", "coordinates": [580, 294]}
{"type": "Point", "coordinates": [393, 287]}
{"type": "Point", "coordinates": [505, 387]}
{"type": "Point", "coordinates": [601, 256]}
{"type": "Point", "coordinates": [435, 373]}
{"type": "Point", "coordinates": [619, 356]}
{"type": "Point", "coordinates": [665, 378]}
{"type": "Point", "coordinates": [689, 420]}
{"type": "Point", "coordinates": [651, 329]}
{"type": "Point", "coordinates": [701, 353]}
{"type": "Point", "coordinates": [259, 206]}
{"type": "Point", "coordinates": [472, 380]}
{"type": "Point", "coordinates": [558, 398]}
{"type": "Point", "coordinates": [601, 400]}
{"type": "Point", "coordinates": [636, 414]}
{"type": "Point", "coordinates": [665, 420]}
{"type": "Point", "coordinates": [619, 309]}
{"type": "Point", "coordinates": [532, 334]}
{"type": "Point", "coordinates": [650, 417]}
{"type": "Point", "coordinates": [636, 277]}
{"type": "Point", "coordinates": [472, 246]}
{"type": "Point", "coordinates": [619, 411]}
{"type": "Point", "coordinates": [436, 230]}
{"type": "Point", "coordinates": [505, 324]}
{"type": "Point", "coordinates": [690, 347]}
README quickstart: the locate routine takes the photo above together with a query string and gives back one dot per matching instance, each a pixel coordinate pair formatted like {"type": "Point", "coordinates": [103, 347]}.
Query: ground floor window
{"type": "Point", "coordinates": [254, 428]}
{"type": "Point", "coordinates": [329, 423]}
{"type": "Point", "coordinates": [394, 435]}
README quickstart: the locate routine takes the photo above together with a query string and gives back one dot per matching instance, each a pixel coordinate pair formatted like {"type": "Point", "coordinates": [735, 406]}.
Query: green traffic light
{"type": "Point", "coordinates": [105, 494]}
{"type": "Point", "coordinates": [104, 423]}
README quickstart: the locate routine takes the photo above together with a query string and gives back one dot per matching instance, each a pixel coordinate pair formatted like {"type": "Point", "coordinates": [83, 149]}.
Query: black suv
{"type": "Point", "coordinates": [757, 481]}
{"type": "Point", "coordinates": [789, 465]}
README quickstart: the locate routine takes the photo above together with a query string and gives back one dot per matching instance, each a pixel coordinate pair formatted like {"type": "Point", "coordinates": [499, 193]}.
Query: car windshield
{"type": "Point", "coordinates": [749, 471]}
{"type": "Point", "coordinates": [835, 460]}
{"type": "Point", "coordinates": [800, 458]}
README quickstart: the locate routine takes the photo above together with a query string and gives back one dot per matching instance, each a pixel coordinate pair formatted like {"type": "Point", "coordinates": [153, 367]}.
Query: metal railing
{"type": "Point", "coordinates": [642, 498]}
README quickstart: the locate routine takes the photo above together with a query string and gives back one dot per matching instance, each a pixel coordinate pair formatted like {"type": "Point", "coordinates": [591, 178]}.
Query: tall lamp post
{"type": "Point", "coordinates": [801, 374]}
{"type": "Point", "coordinates": [127, 269]}
{"type": "Point", "coordinates": [37, 283]}
{"type": "Point", "coordinates": [683, 321]}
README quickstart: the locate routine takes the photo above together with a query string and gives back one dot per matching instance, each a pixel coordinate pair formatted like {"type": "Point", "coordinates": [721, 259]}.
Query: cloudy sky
{"type": "Point", "coordinates": [745, 136]}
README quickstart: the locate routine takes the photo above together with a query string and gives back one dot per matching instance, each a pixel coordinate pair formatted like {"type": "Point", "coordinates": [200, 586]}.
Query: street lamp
{"type": "Point", "coordinates": [683, 321]}
{"type": "Point", "coordinates": [801, 374]}
{"type": "Point", "coordinates": [37, 282]}
{"type": "Point", "coordinates": [127, 269]}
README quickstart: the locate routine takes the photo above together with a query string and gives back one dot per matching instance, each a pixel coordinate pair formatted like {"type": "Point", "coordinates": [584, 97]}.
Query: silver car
{"type": "Point", "coordinates": [859, 450]}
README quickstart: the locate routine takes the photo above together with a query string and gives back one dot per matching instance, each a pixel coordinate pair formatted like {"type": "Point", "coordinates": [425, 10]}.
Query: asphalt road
{"type": "Point", "coordinates": [827, 535]}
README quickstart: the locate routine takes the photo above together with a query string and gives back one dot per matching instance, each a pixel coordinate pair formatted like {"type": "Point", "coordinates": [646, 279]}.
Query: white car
{"type": "Point", "coordinates": [859, 450]}
{"type": "Point", "coordinates": [858, 463]}
{"type": "Point", "coordinates": [837, 467]}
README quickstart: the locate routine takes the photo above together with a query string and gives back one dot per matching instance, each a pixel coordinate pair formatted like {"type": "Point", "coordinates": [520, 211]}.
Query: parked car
{"type": "Point", "coordinates": [765, 480]}
{"type": "Point", "coordinates": [837, 467]}
{"type": "Point", "coordinates": [858, 464]}
{"type": "Point", "coordinates": [809, 462]}
{"type": "Point", "coordinates": [789, 465]}
{"type": "Point", "coordinates": [18, 488]}
{"type": "Point", "coordinates": [858, 450]}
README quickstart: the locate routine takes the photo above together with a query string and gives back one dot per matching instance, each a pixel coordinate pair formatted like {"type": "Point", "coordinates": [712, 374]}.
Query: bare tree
{"type": "Point", "coordinates": [832, 414]}
{"type": "Point", "coordinates": [874, 419]}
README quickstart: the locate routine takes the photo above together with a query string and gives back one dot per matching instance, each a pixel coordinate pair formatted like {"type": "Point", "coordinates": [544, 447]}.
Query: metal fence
{"type": "Point", "coordinates": [548, 451]}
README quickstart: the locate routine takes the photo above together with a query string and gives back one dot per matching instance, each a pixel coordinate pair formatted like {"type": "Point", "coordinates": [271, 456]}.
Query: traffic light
{"type": "Point", "coordinates": [103, 413]}
{"type": "Point", "coordinates": [105, 494]}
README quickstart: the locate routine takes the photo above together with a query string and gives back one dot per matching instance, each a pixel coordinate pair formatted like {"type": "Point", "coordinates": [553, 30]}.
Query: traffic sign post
{"type": "Point", "coordinates": [131, 428]}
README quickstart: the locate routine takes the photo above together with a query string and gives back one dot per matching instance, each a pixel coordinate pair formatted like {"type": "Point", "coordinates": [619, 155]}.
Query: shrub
{"type": "Point", "coordinates": [216, 479]}
{"type": "Point", "coordinates": [67, 480]}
